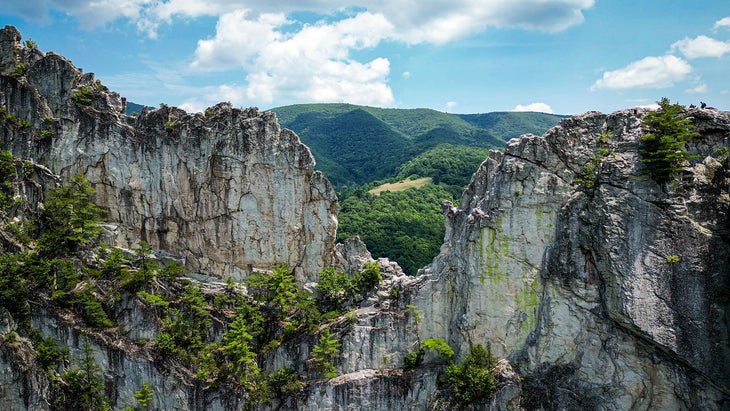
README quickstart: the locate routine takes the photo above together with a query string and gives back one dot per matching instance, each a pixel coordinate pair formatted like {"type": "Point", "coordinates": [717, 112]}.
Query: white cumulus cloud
{"type": "Point", "coordinates": [312, 64]}
{"type": "Point", "coordinates": [722, 23]}
{"type": "Point", "coordinates": [537, 107]}
{"type": "Point", "coordinates": [698, 89]}
{"type": "Point", "coordinates": [435, 21]}
{"type": "Point", "coordinates": [285, 60]}
{"type": "Point", "coordinates": [701, 46]}
{"type": "Point", "coordinates": [649, 72]}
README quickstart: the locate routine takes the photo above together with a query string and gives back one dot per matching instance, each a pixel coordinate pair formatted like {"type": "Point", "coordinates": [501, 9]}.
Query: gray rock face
{"type": "Point", "coordinates": [603, 295]}
{"type": "Point", "coordinates": [620, 290]}
{"type": "Point", "coordinates": [228, 190]}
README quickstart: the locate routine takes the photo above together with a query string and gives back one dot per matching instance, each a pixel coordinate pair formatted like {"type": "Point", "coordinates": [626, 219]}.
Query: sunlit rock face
{"type": "Point", "coordinates": [614, 290]}
{"type": "Point", "coordinates": [228, 189]}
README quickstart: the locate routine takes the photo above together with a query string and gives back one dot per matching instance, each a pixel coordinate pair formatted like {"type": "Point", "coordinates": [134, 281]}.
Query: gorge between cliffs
{"type": "Point", "coordinates": [591, 285]}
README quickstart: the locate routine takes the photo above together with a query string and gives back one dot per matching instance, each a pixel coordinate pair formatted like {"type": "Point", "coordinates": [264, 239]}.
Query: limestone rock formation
{"type": "Point", "coordinates": [228, 189]}
{"type": "Point", "coordinates": [603, 294]}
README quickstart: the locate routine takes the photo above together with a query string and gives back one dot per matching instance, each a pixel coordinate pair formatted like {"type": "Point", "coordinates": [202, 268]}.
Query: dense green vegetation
{"type": "Point", "coordinates": [470, 382]}
{"type": "Point", "coordinates": [663, 145]}
{"type": "Point", "coordinates": [356, 145]}
{"type": "Point", "coordinates": [405, 226]}
{"type": "Point", "coordinates": [448, 165]}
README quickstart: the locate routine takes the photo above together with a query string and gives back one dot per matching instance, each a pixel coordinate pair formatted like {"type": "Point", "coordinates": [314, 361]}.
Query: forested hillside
{"type": "Point", "coordinates": [358, 148]}
{"type": "Point", "coordinates": [355, 145]}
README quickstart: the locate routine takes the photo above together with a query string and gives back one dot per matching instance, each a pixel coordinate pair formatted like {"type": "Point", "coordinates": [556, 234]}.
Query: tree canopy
{"type": "Point", "coordinates": [663, 145]}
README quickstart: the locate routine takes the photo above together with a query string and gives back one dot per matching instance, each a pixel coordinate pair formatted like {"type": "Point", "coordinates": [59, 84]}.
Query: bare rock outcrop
{"type": "Point", "coordinates": [228, 189]}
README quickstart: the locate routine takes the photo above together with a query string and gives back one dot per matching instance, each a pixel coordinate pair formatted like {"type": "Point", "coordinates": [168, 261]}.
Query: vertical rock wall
{"type": "Point", "coordinates": [228, 190]}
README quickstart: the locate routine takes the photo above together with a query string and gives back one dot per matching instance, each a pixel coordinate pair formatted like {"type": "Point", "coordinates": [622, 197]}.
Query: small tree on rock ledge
{"type": "Point", "coordinates": [663, 146]}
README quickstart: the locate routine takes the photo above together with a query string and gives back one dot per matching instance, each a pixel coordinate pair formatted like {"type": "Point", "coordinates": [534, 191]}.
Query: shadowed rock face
{"type": "Point", "coordinates": [228, 190]}
{"type": "Point", "coordinates": [602, 289]}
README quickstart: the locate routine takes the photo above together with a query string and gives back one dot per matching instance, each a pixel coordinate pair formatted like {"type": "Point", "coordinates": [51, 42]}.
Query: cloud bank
{"type": "Point", "coordinates": [286, 60]}
{"type": "Point", "coordinates": [665, 71]}
{"type": "Point", "coordinates": [536, 107]}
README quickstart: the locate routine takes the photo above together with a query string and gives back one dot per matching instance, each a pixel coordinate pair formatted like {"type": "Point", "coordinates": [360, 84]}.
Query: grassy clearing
{"type": "Point", "coordinates": [401, 185]}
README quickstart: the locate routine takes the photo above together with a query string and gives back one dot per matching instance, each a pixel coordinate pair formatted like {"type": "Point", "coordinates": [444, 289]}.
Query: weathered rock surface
{"type": "Point", "coordinates": [613, 297]}
{"type": "Point", "coordinates": [601, 290]}
{"type": "Point", "coordinates": [228, 190]}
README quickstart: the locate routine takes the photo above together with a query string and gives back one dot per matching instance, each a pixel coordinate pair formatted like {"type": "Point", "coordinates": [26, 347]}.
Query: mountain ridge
{"type": "Point", "coordinates": [389, 137]}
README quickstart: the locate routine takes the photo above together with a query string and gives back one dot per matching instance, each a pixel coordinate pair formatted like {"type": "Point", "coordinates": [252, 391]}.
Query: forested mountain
{"type": "Point", "coordinates": [354, 144]}
{"type": "Point", "coordinates": [359, 147]}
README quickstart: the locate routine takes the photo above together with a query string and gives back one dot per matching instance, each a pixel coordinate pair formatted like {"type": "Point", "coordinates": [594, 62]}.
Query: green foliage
{"type": "Point", "coordinates": [438, 345]}
{"type": "Point", "coordinates": [30, 44]}
{"type": "Point", "coordinates": [114, 262]}
{"type": "Point", "coordinates": [413, 359]}
{"type": "Point", "coordinates": [448, 165]}
{"type": "Point", "coordinates": [172, 271]}
{"type": "Point", "coordinates": [370, 275]}
{"type": "Point", "coordinates": [21, 69]}
{"type": "Point", "coordinates": [47, 133]}
{"type": "Point", "coordinates": [91, 308]}
{"type": "Point", "coordinates": [145, 272]}
{"type": "Point", "coordinates": [671, 259]}
{"type": "Point", "coordinates": [663, 146]}
{"type": "Point", "coordinates": [471, 381]}
{"type": "Point", "coordinates": [324, 353]}
{"type": "Point", "coordinates": [154, 299]}
{"type": "Point", "coordinates": [276, 289]}
{"type": "Point", "coordinates": [48, 353]}
{"type": "Point", "coordinates": [144, 396]}
{"type": "Point", "coordinates": [8, 174]}
{"type": "Point", "coordinates": [83, 96]}
{"type": "Point", "coordinates": [185, 327]}
{"type": "Point", "coordinates": [98, 86]}
{"type": "Point", "coordinates": [588, 175]}
{"type": "Point", "coordinates": [85, 388]}
{"type": "Point", "coordinates": [169, 126]}
{"type": "Point", "coordinates": [333, 289]}
{"type": "Point", "coordinates": [14, 287]}
{"type": "Point", "coordinates": [355, 145]}
{"type": "Point", "coordinates": [69, 220]}
{"type": "Point", "coordinates": [237, 347]}
{"type": "Point", "coordinates": [405, 226]}
{"type": "Point", "coordinates": [285, 383]}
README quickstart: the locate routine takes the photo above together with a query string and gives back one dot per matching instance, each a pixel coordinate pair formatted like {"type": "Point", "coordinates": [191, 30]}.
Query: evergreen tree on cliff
{"type": "Point", "coordinates": [663, 146]}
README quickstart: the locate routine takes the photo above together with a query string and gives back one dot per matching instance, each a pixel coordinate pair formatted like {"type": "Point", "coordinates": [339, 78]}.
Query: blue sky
{"type": "Point", "coordinates": [470, 56]}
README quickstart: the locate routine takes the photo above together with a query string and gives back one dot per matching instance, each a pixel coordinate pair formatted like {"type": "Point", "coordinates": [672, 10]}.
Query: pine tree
{"type": "Point", "coordinates": [85, 386]}
{"type": "Point", "coordinates": [663, 146]}
{"type": "Point", "coordinates": [324, 353]}
{"type": "Point", "coordinates": [144, 396]}
{"type": "Point", "coordinates": [69, 220]}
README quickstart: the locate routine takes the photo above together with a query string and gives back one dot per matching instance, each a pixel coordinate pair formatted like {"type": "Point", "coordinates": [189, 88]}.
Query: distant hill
{"type": "Point", "coordinates": [354, 145]}
{"type": "Point", "coordinates": [133, 108]}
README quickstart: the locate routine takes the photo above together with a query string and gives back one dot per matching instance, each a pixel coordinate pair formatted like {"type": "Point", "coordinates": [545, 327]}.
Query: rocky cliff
{"type": "Point", "coordinates": [227, 190]}
{"type": "Point", "coordinates": [596, 287]}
